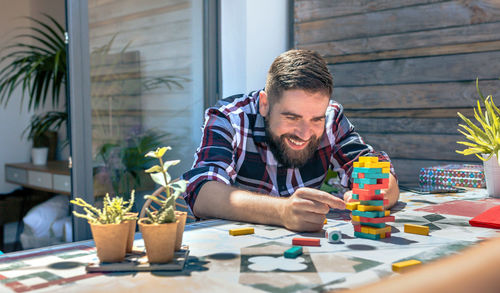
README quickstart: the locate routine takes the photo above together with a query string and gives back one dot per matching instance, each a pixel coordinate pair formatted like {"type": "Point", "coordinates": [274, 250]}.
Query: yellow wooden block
{"type": "Point", "coordinates": [325, 222]}
{"type": "Point", "coordinates": [378, 165]}
{"type": "Point", "coordinates": [404, 266]}
{"type": "Point", "coordinates": [386, 170]}
{"type": "Point", "coordinates": [416, 229]}
{"type": "Point", "coordinates": [356, 218]}
{"type": "Point", "coordinates": [352, 205]}
{"type": "Point", "coordinates": [365, 208]}
{"type": "Point", "coordinates": [373, 230]}
{"type": "Point", "coordinates": [241, 231]}
{"type": "Point", "coordinates": [358, 165]}
{"type": "Point", "coordinates": [363, 159]}
{"type": "Point", "coordinates": [387, 213]}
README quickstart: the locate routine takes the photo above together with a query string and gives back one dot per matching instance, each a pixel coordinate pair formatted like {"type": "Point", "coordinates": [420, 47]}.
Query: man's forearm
{"type": "Point", "coordinates": [218, 200]}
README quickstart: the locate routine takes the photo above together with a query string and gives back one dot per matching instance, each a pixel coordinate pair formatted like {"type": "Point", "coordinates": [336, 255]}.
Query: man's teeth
{"type": "Point", "coordinates": [296, 142]}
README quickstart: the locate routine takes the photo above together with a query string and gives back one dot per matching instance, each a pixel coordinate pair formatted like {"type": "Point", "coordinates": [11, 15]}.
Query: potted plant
{"type": "Point", "coordinates": [110, 226]}
{"type": "Point", "coordinates": [163, 229]}
{"type": "Point", "coordinates": [43, 132]}
{"type": "Point", "coordinates": [485, 141]}
{"type": "Point", "coordinates": [37, 64]}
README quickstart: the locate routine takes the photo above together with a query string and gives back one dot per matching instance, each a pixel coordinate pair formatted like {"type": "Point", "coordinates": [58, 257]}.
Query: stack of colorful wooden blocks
{"type": "Point", "coordinates": [368, 213]}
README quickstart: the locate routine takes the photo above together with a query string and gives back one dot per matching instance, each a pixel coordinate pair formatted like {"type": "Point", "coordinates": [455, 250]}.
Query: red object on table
{"type": "Point", "coordinates": [487, 219]}
{"type": "Point", "coordinates": [305, 241]}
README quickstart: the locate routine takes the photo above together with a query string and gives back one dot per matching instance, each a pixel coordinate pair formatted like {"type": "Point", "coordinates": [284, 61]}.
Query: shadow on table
{"type": "Point", "coordinates": [193, 264]}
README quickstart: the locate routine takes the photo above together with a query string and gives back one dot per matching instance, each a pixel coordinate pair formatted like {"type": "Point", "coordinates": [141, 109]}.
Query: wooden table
{"type": "Point", "coordinates": [252, 263]}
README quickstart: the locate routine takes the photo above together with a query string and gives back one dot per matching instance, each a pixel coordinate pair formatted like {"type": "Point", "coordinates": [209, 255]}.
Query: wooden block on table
{"type": "Point", "coordinates": [404, 266]}
{"type": "Point", "coordinates": [325, 222]}
{"type": "Point", "coordinates": [373, 230]}
{"type": "Point", "coordinates": [360, 191]}
{"type": "Point", "coordinates": [387, 213]}
{"type": "Point", "coordinates": [376, 225]}
{"type": "Point", "coordinates": [378, 165]}
{"type": "Point", "coordinates": [241, 231]}
{"type": "Point", "coordinates": [365, 208]}
{"type": "Point", "coordinates": [355, 218]}
{"type": "Point", "coordinates": [383, 182]}
{"type": "Point", "coordinates": [306, 241]}
{"type": "Point", "coordinates": [386, 170]}
{"type": "Point", "coordinates": [367, 236]}
{"type": "Point", "coordinates": [377, 220]}
{"type": "Point", "coordinates": [416, 229]}
{"type": "Point", "coordinates": [358, 164]}
{"type": "Point", "coordinates": [333, 235]}
{"type": "Point", "coordinates": [365, 181]}
{"type": "Point", "coordinates": [376, 175]}
{"type": "Point", "coordinates": [293, 252]}
{"type": "Point", "coordinates": [355, 196]}
{"type": "Point", "coordinates": [367, 170]}
{"type": "Point", "coordinates": [352, 205]}
{"type": "Point", "coordinates": [371, 197]}
{"type": "Point", "coordinates": [375, 202]}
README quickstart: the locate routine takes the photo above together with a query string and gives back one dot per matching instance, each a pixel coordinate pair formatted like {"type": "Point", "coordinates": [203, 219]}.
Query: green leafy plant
{"type": "Point", "coordinates": [159, 174]}
{"type": "Point", "coordinates": [114, 210]}
{"type": "Point", "coordinates": [484, 140]}
{"type": "Point", "coordinates": [40, 125]}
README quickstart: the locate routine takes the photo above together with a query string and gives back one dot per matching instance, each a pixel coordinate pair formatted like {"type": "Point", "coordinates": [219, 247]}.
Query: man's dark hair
{"type": "Point", "coordinates": [298, 69]}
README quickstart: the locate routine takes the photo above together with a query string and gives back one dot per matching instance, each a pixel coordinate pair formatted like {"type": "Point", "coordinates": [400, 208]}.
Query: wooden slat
{"type": "Point", "coordinates": [307, 10]}
{"type": "Point", "coordinates": [429, 38]}
{"type": "Point", "coordinates": [418, 146]}
{"type": "Point", "coordinates": [407, 125]}
{"type": "Point", "coordinates": [407, 19]}
{"type": "Point", "coordinates": [419, 52]}
{"type": "Point", "coordinates": [408, 170]}
{"type": "Point", "coordinates": [460, 67]}
{"type": "Point", "coordinates": [409, 113]}
{"type": "Point", "coordinates": [425, 95]}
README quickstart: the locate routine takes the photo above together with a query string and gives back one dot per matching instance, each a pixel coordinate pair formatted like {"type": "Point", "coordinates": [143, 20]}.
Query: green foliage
{"type": "Point", "coordinates": [41, 124]}
{"type": "Point", "coordinates": [486, 138]}
{"type": "Point", "coordinates": [114, 210]}
{"type": "Point", "coordinates": [159, 174]}
{"type": "Point", "coordinates": [37, 64]}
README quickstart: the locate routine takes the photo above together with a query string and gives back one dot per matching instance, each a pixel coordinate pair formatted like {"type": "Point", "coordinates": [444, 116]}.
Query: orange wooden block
{"type": "Point", "coordinates": [306, 241]}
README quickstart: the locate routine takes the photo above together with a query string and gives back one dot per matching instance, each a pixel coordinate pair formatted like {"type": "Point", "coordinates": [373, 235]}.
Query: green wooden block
{"type": "Point", "coordinates": [355, 196]}
{"type": "Point", "coordinates": [366, 235]}
{"type": "Point", "coordinates": [376, 225]}
{"type": "Point", "coordinates": [355, 174]}
{"type": "Point", "coordinates": [367, 170]}
{"type": "Point", "coordinates": [377, 175]}
{"type": "Point", "coordinates": [293, 252]}
{"type": "Point", "coordinates": [377, 191]}
{"type": "Point", "coordinates": [372, 202]}
{"type": "Point", "coordinates": [365, 180]}
{"type": "Point", "coordinates": [371, 214]}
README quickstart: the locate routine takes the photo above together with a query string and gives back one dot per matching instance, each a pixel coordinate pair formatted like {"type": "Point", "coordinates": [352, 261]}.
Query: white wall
{"type": "Point", "coordinates": [13, 118]}
{"type": "Point", "coordinates": [253, 33]}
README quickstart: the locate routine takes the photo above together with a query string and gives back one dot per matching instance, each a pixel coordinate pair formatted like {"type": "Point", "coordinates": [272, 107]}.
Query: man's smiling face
{"type": "Point", "coordinates": [294, 125]}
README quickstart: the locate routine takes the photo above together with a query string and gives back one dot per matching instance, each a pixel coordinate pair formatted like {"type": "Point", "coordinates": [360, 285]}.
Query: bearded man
{"type": "Point", "coordinates": [264, 155]}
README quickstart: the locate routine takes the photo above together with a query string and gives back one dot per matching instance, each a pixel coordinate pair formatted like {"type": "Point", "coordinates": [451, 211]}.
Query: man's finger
{"type": "Point", "coordinates": [313, 206]}
{"type": "Point", "coordinates": [321, 196]}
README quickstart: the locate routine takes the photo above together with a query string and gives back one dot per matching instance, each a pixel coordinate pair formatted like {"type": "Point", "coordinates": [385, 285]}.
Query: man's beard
{"type": "Point", "coordinates": [286, 156]}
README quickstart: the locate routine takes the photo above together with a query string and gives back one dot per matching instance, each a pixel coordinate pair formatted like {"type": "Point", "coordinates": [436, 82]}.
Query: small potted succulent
{"type": "Point", "coordinates": [111, 226]}
{"type": "Point", "coordinates": [484, 142]}
{"type": "Point", "coordinates": [162, 229]}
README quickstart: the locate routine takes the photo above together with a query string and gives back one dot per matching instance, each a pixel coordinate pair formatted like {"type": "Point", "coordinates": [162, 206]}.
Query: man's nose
{"type": "Point", "coordinates": [303, 131]}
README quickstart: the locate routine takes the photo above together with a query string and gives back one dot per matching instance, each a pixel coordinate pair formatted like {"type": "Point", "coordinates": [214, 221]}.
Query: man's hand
{"type": "Point", "coordinates": [305, 210]}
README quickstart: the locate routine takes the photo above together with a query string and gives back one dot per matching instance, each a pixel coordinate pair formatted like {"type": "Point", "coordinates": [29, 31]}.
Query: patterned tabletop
{"type": "Point", "coordinates": [255, 263]}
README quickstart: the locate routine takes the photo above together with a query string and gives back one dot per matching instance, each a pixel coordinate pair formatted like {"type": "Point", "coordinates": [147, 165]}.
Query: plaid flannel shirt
{"type": "Point", "coordinates": [234, 151]}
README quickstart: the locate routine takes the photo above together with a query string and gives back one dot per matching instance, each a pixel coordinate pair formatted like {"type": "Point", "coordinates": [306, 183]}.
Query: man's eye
{"type": "Point", "coordinates": [293, 118]}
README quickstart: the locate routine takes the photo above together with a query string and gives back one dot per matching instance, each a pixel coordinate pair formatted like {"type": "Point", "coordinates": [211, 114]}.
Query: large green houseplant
{"type": "Point", "coordinates": [484, 140]}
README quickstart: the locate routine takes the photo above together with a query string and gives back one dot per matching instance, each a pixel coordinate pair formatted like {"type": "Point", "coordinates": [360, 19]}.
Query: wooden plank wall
{"type": "Point", "coordinates": [402, 69]}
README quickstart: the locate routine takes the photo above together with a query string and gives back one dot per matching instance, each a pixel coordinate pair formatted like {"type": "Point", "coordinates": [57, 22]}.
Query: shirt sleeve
{"type": "Point", "coordinates": [214, 158]}
{"type": "Point", "coordinates": [348, 146]}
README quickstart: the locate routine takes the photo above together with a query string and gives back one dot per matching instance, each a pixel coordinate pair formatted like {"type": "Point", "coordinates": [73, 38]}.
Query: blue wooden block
{"type": "Point", "coordinates": [376, 225]}
{"type": "Point", "coordinates": [377, 175]}
{"type": "Point", "coordinates": [372, 202]}
{"type": "Point", "coordinates": [371, 214]}
{"type": "Point", "coordinates": [293, 252]}
{"type": "Point", "coordinates": [366, 235]}
{"type": "Point", "coordinates": [355, 196]}
{"type": "Point", "coordinates": [367, 170]}
{"type": "Point", "coordinates": [365, 181]}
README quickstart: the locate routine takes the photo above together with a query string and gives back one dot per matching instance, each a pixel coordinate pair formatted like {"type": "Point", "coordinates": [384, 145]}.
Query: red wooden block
{"type": "Point", "coordinates": [377, 220]}
{"type": "Point", "coordinates": [355, 185]}
{"type": "Point", "coordinates": [363, 191]}
{"type": "Point", "coordinates": [387, 234]}
{"type": "Point", "coordinates": [357, 228]}
{"type": "Point", "coordinates": [306, 241]}
{"type": "Point", "coordinates": [383, 182]}
{"type": "Point", "coordinates": [361, 175]}
{"type": "Point", "coordinates": [374, 186]}
{"type": "Point", "coordinates": [371, 197]}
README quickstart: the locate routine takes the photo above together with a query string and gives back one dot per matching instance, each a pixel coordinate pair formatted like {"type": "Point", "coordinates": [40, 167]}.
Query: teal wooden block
{"type": "Point", "coordinates": [376, 225]}
{"type": "Point", "coordinates": [365, 180]}
{"type": "Point", "coordinates": [377, 191]}
{"type": "Point", "coordinates": [366, 235]}
{"type": "Point", "coordinates": [355, 196]}
{"type": "Point", "coordinates": [377, 175]}
{"type": "Point", "coordinates": [367, 170]}
{"type": "Point", "coordinates": [293, 252]}
{"type": "Point", "coordinates": [372, 202]}
{"type": "Point", "coordinates": [371, 214]}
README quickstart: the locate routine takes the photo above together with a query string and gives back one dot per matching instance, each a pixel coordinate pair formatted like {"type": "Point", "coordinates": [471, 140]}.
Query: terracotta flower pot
{"type": "Point", "coordinates": [181, 217]}
{"type": "Point", "coordinates": [131, 232]}
{"type": "Point", "coordinates": [110, 241]}
{"type": "Point", "coordinates": [159, 240]}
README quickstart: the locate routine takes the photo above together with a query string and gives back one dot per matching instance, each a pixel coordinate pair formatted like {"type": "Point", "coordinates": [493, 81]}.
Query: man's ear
{"type": "Point", "coordinates": [263, 104]}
